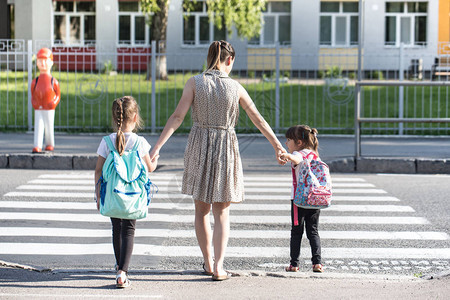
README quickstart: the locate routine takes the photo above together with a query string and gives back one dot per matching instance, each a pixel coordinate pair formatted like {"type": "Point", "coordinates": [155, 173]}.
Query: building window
{"type": "Point", "coordinates": [277, 25]}
{"type": "Point", "coordinates": [406, 22]}
{"type": "Point", "coordinates": [339, 24]}
{"type": "Point", "coordinates": [73, 22]}
{"type": "Point", "coordinates": [133, 26]}
{"type": "Point", "coordinates": [197, 29]}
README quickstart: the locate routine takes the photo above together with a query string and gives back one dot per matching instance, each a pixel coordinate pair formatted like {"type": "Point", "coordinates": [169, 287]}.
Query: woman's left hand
{"type": "Point", "coordinates": [279, 154]}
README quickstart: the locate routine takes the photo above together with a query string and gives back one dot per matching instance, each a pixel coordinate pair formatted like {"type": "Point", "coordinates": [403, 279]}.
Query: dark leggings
{"type": "Point", "coordinates": [123, 241]}
{"type": "Point", "coordinates": [308, 218]}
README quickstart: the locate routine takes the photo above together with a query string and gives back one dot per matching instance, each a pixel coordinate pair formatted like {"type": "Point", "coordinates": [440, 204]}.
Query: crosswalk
{"type": "Point", "coordinates": [365, 229]}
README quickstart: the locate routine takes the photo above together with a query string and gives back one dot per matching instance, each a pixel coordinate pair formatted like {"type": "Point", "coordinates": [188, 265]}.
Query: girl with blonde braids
{"type": "Point", "coordinates": [126, 118]}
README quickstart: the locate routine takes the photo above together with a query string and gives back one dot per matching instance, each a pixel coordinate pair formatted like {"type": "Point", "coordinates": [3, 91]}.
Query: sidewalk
{"type": "Point", "coordinates": [393, 154]}
{"type": "Point", "coordinates": [71, 284]}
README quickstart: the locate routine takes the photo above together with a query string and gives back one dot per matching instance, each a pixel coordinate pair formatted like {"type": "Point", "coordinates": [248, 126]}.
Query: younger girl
{"type": "Point", "coordinates": [302, 144]}
{"type": "Point", "coordinates": [126, 118]}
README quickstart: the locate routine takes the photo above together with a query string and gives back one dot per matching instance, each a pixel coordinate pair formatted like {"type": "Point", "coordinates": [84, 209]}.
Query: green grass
{"type": "Point", "coordinates": [299, 104]}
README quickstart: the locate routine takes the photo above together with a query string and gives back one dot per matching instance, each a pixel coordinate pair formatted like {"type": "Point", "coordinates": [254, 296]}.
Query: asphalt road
{"type": "Point", "coordinates": [378, 224]}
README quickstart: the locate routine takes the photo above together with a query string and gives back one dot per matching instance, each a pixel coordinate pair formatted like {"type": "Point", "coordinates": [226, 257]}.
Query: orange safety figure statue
{"type": "Point", "coordinates": [45, 96]}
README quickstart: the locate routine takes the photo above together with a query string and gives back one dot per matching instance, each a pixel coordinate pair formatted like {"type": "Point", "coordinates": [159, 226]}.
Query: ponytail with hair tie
{"type": "Point", "coordinates": [306, 134]}
{"type": "Point", "coordinates": [218, 53]}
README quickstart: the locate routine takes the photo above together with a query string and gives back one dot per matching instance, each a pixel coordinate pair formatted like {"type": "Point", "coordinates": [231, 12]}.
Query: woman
{"type": "Point", "coordinates": [212, 164]}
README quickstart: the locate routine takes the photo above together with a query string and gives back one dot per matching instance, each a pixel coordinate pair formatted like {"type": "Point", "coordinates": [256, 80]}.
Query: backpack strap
{"type": "Point", "coordinates": [294, 207]}
{"type": "Point", "coordinates": [135, 148]}
{"type": "Point", "coordinates": [51, 83]}
{"type": "Point", "coordinates": [109, 143]}
{"type": "Point", "coordinates": [136, 144]}
{"type": "Point", "coordinates": [35, 83]}
{"type": "Point", "coordinates": [111, 147]}
{"type": "Point", "coordinates": [312, 153]}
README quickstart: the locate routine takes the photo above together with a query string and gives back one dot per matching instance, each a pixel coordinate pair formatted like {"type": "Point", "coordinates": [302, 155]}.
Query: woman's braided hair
{"type": "Point", "coordinates": [123, 111]}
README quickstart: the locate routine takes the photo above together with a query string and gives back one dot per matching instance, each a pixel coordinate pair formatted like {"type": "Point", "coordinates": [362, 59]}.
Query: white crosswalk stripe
{"type": "Point", "coordinates": [241, 234]}
{"type": "Point", "coordinates": [355, 202]}
{"type": "Point", "coordinates": [166, 184]}
{"type": "Point", "coordinates": [160, 176]}
{"type": "Point", "coordinates": [193, 251]}
{"type": "Point", "coordinates": [178, 195]}
{"type": "Point", "coordinates": [241, 219]}
{"type": "Point", "coordinates": [190, 206]}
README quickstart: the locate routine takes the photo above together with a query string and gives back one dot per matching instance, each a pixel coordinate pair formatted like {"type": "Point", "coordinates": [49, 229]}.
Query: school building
{"type": "Point", "coordinates": [312, 34]}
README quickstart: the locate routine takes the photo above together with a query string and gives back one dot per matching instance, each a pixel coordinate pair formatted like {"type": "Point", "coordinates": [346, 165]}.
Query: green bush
{"type": "Point", "coordinates": [320, 74]}
{"type": "Point", "coordinates": [334, 72]}
{"type": "Point", "coordinates": [107, 67]}
{"type": "Point", "coordinates": [376, 75]}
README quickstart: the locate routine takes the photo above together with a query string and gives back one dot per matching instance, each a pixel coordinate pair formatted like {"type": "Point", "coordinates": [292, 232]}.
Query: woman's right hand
{"type": "Point", "coordinates": [154, 154]}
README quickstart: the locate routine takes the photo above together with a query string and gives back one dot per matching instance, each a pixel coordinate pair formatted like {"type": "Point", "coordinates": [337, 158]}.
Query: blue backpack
{"type": "Point", "coordinates": [125, 188]}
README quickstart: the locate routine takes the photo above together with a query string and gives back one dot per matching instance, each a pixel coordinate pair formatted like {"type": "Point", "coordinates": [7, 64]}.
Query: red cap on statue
{"type": "Point", "coordinates": [45, 53]}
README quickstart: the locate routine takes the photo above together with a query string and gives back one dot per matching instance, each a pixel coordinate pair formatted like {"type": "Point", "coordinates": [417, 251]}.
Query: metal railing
{"type": "Point", "coordinates": [359, 120]}
{"type": "Point", "coordinates": [288, 87]}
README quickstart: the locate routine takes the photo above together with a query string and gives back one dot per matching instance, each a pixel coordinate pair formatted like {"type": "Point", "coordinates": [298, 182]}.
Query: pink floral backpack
{"type": "Point", "coordinates": [313, 187]}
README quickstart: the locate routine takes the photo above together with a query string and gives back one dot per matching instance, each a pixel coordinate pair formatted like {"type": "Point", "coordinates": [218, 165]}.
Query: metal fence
{"type": "Point", "coordinates": [400, 120]}
{"type": "Point", "coordinates": [316, 88]}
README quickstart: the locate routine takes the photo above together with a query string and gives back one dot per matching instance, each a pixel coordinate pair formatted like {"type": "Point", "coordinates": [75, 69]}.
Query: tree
{"type": "Point", "coordinates": [245, 15]}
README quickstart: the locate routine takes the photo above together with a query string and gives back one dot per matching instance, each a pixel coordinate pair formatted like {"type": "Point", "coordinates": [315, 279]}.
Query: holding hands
{"type": "Point", "coordinates": [285, 157]}
{"type": "Point", "coordinates": [295, 159]}
{"type": "Point", "coordinates": [154, 154]}
{"type": "Point", "coordinates": [280, 154]}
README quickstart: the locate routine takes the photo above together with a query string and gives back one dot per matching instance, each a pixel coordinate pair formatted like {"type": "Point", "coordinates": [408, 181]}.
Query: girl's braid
{"type": "Point", "coordinates": [120, 138]}
{"type": "Point", "coordinates": [119, 114]}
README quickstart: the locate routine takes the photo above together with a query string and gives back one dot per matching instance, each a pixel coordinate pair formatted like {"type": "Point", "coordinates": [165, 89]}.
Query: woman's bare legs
{"type": "Point", "coordinates": [220, 236]}
{"type": "Point", "coordinates": [203, 232]}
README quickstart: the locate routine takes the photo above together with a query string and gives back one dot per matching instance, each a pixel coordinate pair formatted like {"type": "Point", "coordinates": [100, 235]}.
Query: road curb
{"type": "Point", "coordinates": [50, 161]}
{"type": "Point", "coordinates": [386, 165]}
{"type": "Point", "coordinates": [441, 275]}
{"type": "Point", "coordinates": [234, 273]}
{"type": "Point", "coordinates": [24, 267]}
{"type": "Point", "coordinates": [433, 166]}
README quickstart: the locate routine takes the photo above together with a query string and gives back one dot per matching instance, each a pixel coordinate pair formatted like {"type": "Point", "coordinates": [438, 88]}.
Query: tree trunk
{"type": "Point", "coordinates": [159, 34]}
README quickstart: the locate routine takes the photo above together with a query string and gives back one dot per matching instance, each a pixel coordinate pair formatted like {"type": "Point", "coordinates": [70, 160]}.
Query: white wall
{"type": "Point", "coordinates": [189, 57]}
{"type": "Point", "coordinates": [179, 56]}
{"type": "Point", "coordinates": [305, 24]}
{"type": "Point", "coordinates": [33, 19]}
{"type": "Point", "coordinates": [106, 30]}
{"type": "Point", "coordinates": [378, 56]}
